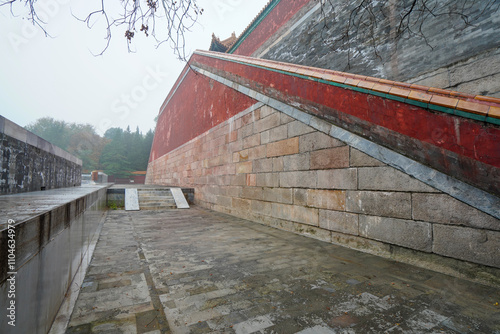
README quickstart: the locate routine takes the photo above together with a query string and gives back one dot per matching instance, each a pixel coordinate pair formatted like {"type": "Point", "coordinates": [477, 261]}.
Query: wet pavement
{"type": "Point", "coordinates": [199, 271]}
{"type": "Point", "coordinates": [24, 206]}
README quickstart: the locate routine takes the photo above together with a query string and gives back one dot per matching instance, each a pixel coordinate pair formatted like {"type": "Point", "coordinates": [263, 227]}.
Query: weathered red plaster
{"type": "Point", "coordinates": [197, 105]}
{"type": "Point", "coordinates": [456, 134]}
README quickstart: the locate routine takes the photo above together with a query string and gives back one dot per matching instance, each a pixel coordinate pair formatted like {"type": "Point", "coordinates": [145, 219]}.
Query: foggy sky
{"type": "Point", "coordinates": [59, 76]}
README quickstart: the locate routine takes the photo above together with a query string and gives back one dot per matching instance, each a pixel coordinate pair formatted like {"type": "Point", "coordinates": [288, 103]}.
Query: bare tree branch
{"type": "Point", "coordinates": [176, 18]}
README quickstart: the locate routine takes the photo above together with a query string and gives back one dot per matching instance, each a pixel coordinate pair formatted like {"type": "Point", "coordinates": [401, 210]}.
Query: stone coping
{"type": "Point", "coordinates": [478, 107]}
{"type": "Point", "coordinates": [24, 206]}
{"type": "Point", "coordinates": [15, 131]}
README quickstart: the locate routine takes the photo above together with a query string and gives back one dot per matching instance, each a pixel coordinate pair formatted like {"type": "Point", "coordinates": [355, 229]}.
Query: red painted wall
{"type": "Point", "coordinates": [465, 137]}
{"type": "Point", "coordinates": [463, 148]}
{"type": "Point", "coordinates": [197, 105]}
{"type": "Point", "coordinates": [280, 15]}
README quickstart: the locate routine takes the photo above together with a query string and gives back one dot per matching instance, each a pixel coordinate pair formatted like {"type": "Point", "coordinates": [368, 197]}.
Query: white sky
{"type": "Point", "coordinates": [60, 77]}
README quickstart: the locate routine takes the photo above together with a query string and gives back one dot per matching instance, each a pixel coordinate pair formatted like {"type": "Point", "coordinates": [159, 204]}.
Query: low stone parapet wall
{"type": "Point", "coordinates": [30, 163]}
{"type": "Point", "coordinates": [46, 239]}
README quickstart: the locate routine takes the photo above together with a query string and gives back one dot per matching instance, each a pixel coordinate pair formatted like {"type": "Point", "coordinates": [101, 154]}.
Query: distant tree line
{"type": "Point", "coordinates": [117, 153]}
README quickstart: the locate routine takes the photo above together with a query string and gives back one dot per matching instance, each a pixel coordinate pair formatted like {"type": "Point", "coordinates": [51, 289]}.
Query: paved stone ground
{"type": "Point", "coordinates": [198, 271]}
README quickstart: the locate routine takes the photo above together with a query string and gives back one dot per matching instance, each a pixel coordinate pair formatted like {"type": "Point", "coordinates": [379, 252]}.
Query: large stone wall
{"type": "Point", "coordinates": [453, 55]}
{"type": "Point", "coordinates": [426, 124]}
{"type": "Point", "coordinates": [30, 163]}
{"type": "Point", "coordinates": [268, 167]}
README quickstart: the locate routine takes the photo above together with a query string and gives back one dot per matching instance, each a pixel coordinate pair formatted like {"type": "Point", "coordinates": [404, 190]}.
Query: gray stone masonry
{"type": "Point", "coordinates": [30, 163]}
{"type": "Point", "coordinates": [453, 55]}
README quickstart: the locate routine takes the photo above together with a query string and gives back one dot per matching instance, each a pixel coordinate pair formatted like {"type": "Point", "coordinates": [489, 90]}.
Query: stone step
{"type": "Point", "coordinates": [149, 203]}
{"type": "Point", "coordinates": [158, 207]}
{"type": "Point", "coordinates": [156, 199]}
{"type": "Point", "coordinates": [148, 197]}
{"type": "Point", "coordinates": [154, 191]}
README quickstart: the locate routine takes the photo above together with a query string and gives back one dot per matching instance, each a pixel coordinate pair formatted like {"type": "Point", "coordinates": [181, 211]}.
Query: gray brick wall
{"type": "Point", "coordinates": [453, 55]}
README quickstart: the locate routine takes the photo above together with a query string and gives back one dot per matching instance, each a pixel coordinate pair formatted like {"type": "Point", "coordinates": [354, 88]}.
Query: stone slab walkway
{"type": "Point", "coordinates": [198, 271]}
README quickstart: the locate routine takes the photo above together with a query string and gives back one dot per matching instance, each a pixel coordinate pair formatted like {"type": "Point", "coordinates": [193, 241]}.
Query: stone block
{"type": "Point", "coordinates": [361, 244]}
{"type": "Point", "coordinates": [278, 133]}
{"type": "Point", "coordinates": [257, 152]}
{"type": "Point", "coordinates": [271, 180]}
{"type": "Point", "coordinates": [296, 162]}
{"type": "Point", "coordinates": [389, 179]}
{"type": "Point", "coordinates": [235, 146]}
{"type": "Point", "coordinates": [304, 215]}
{"type": "Point", "coordinates": [346, 178]}
{"type": "Point", "coordinates": [317, 141]}
{"type": "Point", "coordinates": [337, 157]}
{"type": "Point", "coordinates": [360, 159]}
{"type": "Point", "coordinates": [280, 195]}
{"type": "Point", "coordinates": [278, 164]}
{"type": "Point", "coordinates": [444, 209]}
{"type": "Point", "coordinates": [283, 147]}
{"type": "Point", "coordinates": [469, 244]}
{"type": "Point", "coordinates": [285, 119]}
{"type": "Point", "coordinates": [241, 204]}
{"type": "Point", "coordinates": [282, 211]}
{"type": "Point", "coordinates": [236, 180]}
{"type": "Point", "coordinates": [263, 165]}
{"type": "Point", "coordinates": [244, 167]}
{"type": "Point", "coordinates": [251, 141]}
{"type": "Point", "coordinates": [267, 123]}
{"type": "Point", "coordinates": [298, 179]}
{"type": "Point", "coordinates": [251, 117]}
{"type": "Point", "coordinates": [406, 233]}
{"type": "Point", "coordinates": [265, 137]}
{"type": "Point", "coordinates": [312, 232]}
{"type": "Point", "coordinates": [326, 199]}
{"type": "Point", "coordinates": [379, 203]}
{"type": "Point", "coordinates": [223, 201]}
{"type": "Point", "coordinates": [240, 156]}
{"type": "Point", "coordinates": [252, 193]}
{"type": "Point", "coordinates": [297, 128]}
{"type": "Point", "coordinates": [300, 197]}
{"type": "Point", "coordinates": [245, 131]}
{"type": "Point", "coordinates": [233, 191]}
{"type": "Point", "coordinates": [267, 111]}
{"type": "Point", "coordinates": [264, 208]}
{"type": "Point", "coordinates": [338, 221]}
{"type": "Point", "coordinates": [232, 136]}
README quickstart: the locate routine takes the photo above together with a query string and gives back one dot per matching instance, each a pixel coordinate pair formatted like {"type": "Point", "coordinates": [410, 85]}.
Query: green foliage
{"type": "Point", "coordinates": [112, 205]}
{"type": "Point", "coordinates": [117, 153]}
